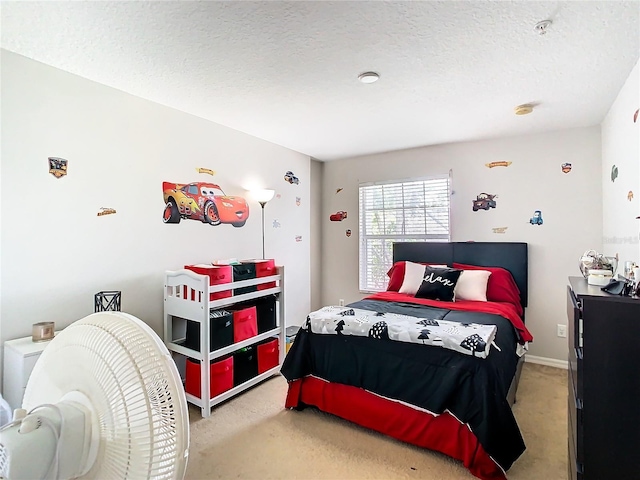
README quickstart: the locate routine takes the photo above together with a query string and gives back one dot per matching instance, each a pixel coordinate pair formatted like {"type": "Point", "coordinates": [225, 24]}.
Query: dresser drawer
{"type": "Point", "coordinates": [574, 316]}
{"type": "Point", "coordinates": [575, 422]}
{"type": "Point", "coordinates": [575, 467]}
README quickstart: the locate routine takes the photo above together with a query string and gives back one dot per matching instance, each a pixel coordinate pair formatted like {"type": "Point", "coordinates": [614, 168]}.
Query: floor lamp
{"type": "Point", "coordinates": [263, 196]}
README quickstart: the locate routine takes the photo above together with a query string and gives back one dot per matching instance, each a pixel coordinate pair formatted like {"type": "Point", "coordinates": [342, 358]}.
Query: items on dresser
{"type": "Point", "coordinates": [604, 386]}
{"type": "Point", "coordinates": [107, 301]}
{"type": "Point", "coordinates": [42, 331]}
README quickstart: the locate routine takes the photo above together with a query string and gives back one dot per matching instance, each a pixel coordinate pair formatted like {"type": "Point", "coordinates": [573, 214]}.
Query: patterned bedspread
{"type": "Point", "coordinates": [469, 338]}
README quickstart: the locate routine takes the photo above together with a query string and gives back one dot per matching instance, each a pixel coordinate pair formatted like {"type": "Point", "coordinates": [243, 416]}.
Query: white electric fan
{"type": "Point", "coordinates": [104, 401]}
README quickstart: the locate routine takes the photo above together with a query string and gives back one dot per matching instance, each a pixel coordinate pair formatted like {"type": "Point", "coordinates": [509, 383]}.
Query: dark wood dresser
{"type": "Point", "coordinates": [604, 383]}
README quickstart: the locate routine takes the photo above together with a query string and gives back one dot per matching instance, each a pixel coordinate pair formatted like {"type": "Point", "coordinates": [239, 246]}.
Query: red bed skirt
{"type": "Point", "coordinates": [443, 433]}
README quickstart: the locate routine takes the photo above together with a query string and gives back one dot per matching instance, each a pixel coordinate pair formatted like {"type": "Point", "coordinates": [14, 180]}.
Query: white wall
{"type": "Point", "coordinates": [621, 147]}
{"type": "Point", "coordinates": [57, 253]}
{"type": "Point", "coordinates": [571, 205]}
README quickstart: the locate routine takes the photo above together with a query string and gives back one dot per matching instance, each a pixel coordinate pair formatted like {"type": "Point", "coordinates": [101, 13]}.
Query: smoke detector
{"type": "Point", "coordinates": [541, 27]}
{"type": "Point", "coordinates": [524, 109]}
{"type": "Point", "coordinates": [368, 77]}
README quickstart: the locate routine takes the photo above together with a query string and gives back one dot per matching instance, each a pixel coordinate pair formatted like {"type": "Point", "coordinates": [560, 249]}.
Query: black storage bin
{"type": "Point", "coordinates": [266, 310]}
{"type": "Point", "coordinates": [220, 331]}
{"type": "Point", "coordinates": [244, 271]}
{"type": "Point", "coordinates": [245, 364]}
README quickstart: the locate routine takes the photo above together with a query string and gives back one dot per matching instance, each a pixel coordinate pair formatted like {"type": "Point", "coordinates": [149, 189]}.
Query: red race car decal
{"type": "Point", "coordinates": [202, 201]}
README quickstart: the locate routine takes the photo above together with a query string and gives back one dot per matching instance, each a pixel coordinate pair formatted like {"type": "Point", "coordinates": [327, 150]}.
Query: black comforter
{"type": "Point", "coordinates": [433, 378]}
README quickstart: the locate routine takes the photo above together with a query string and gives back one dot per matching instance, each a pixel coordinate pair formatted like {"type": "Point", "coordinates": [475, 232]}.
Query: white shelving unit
{"type": "Point", "coordinates": [179, 307]}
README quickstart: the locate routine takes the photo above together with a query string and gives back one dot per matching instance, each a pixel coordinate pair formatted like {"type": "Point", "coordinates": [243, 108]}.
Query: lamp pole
{"type": "Point", "coordinates": [262, 204]}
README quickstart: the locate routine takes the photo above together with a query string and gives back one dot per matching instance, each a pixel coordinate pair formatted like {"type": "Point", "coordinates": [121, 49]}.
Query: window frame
{"type": "Point", "coordinates": [362, 239]}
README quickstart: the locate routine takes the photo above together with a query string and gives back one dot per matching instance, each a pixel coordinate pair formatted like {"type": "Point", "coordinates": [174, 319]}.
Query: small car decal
{"type": "Point", "coordinates": [338, 216]}
{"type": "Point", "coordinates": [291, 178]}
{"type": "Point", "coordinates": [566, 167]}
{"type": "Point", "coordinates": [484, 201]}
{"type": "Point", "coordinates": [537, 218]}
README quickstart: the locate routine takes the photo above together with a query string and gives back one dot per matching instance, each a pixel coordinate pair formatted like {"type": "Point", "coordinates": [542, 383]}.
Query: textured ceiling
{"type": "Point", "coordinates": [287, 71]}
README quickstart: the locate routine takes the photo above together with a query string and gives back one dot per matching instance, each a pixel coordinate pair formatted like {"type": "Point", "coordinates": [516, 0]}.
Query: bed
{"type": "Point", "coordinates": [436, 398]}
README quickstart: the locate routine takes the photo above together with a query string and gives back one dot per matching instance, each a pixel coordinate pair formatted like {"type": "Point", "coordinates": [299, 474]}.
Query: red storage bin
{"type": "Point", "coordinates": [268, 355]}
{"type": "Point", "coordinates": [218, 274]}
{"type": "Point", "coordinates": [264, 268]}
{"type": "Point", "coordinates": [221, 376]}
{"type": "Point", "coordinates": [245, 323]}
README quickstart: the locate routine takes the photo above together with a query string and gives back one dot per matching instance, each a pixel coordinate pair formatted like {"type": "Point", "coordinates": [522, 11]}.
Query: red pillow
{"type": "Point", "coordinates": [396, 275]}
{"type": "Point", "coordinates": [501, 286]}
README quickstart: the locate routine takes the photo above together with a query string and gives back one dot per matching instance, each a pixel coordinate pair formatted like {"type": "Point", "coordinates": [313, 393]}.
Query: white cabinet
{"type": "Point", "coordinates": [187, 297]}
{"type": "Point", "coordinates": [20, 356]}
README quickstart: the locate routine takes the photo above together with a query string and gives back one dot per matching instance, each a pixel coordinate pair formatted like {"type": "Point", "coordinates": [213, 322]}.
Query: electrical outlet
{"type": "Point", "coordinates": [562, 330]}
{"type": "Point", "coordinates": [341, 302]}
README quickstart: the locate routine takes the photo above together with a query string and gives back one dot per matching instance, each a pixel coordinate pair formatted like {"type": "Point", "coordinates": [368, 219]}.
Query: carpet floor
{"type": "Point", "coordinates": [253, 437]}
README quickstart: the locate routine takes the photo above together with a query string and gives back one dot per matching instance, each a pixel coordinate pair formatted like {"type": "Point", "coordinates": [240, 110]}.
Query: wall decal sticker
{"type": "Point", "coordinates": [498, 164]}
{"type": "Point", "coordinates": [499, 229]}
{"type": "Point", "coordinates": [348, 232]}
{"type": "Point", "coordinates": [614, 173]}
{"type": "Point", "coordinates": [484, 201]}
{"type": "Point", "coordinates": [276, 224]}
{"type": "Point", "coordinates": [338, 216]}
{"type": "Point", "coordinates": [106, 211]}
{"type": "Point", "coordinates": [635, 116]}
{"type": "Point", "coordinates": [298, 238]}
{"type": "Point", "coordinates": [202, 201]}
{"type": "Point", "coordinates": [205, 170]}
{"type": "Point", "coordinates": [630, 195]}
{"type": "Point", "coordinates": [338, 190]}
{"type": "Point", "coordinates": [291, 178]}
{"type": "Point", "coordinates": [566, 167]}
{"type": "Point", "coordinates": [537, 218]}
{"type": "Point", "coordinates": [58, 166]}
{"type": "Point", "coordinates": [298, 201]}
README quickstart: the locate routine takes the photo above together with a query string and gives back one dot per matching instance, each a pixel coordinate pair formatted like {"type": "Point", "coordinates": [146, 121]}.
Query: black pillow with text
{"type": "Point", "coordinates": [439, 284]}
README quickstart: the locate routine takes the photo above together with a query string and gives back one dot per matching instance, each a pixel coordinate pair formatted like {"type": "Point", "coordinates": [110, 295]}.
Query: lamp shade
{"type": "Point", "coordinates": [263, 196]}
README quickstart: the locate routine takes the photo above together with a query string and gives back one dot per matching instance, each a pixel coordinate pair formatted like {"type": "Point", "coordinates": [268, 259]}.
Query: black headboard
{"type": "Point", "coordinates": [512, 256]}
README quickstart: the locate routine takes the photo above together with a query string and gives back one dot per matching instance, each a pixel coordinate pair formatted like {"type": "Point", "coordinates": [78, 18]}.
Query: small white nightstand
{"type": "Point", "coordinates": [20, 356]}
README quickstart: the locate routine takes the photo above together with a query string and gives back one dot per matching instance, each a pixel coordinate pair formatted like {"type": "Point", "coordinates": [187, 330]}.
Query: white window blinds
{"type": "Point", "coordinates": [400, 211]}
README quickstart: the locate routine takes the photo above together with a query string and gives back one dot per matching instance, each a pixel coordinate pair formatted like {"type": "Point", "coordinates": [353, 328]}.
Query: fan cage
{"type": "Point", "coordinates": [132, 383]}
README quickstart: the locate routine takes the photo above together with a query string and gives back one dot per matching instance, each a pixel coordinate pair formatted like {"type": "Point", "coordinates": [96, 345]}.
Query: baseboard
{"type": "Point", "coordinates": [550, 362]}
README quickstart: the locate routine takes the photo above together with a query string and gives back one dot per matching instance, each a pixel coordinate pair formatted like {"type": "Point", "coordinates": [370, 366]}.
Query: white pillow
{"type": "Point", "coordinates": [413, 276]}
{"type": "Point", "coordinates": [472, 285]}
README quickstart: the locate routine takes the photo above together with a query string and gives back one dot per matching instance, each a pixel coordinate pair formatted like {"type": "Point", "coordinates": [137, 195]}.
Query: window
{"type": "Point", "coordinates": [399, 211]}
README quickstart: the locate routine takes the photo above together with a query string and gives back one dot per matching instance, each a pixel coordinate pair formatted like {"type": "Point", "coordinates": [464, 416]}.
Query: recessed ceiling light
{"type": "Point", "coordinates": [368, 77]}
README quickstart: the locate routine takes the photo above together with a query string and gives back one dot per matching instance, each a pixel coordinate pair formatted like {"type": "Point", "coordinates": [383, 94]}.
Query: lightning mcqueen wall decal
{"type": "Point", "coordinates": [202, 201]}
